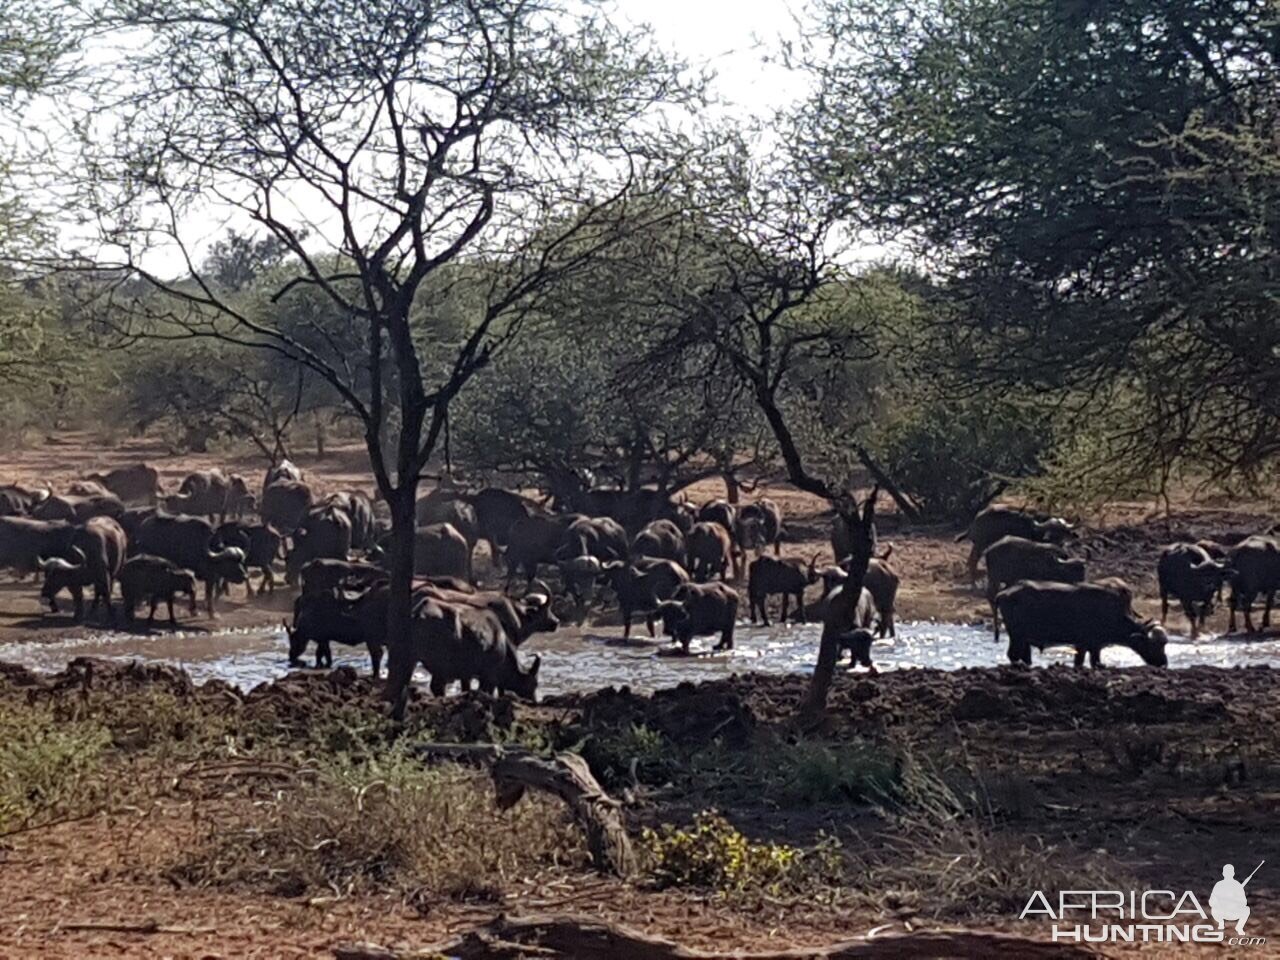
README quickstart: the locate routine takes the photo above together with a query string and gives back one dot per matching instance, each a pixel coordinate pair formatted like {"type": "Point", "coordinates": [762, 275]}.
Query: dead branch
{"type": "Point", "coordinates": [568, 777]}
{"type": "Point", "coordinates": [147, 926]}
{"type": "Point", "coordinates": [583, 939]}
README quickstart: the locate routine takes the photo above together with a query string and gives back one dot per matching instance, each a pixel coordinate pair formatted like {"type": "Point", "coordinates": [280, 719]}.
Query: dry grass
{"type": "Point", "coordinates": [385, 823]}
{"type": "Point", "coordinates": [947, 852]}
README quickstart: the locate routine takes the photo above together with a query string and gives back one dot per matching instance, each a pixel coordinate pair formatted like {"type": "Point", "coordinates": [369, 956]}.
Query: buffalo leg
{"type": "Point", "coordinates": [1095, 657]}
{"type": "Point", "coordinates": [726, 639]}
{"type": "Point", "coordinates": [1266, 613]}
{"type": "Point", "coordinates": [800, 606]}
{"type": "Point", "coordinates": [626, 622]}
{"type": "Point", "coordinates": [173, 620]}
{"type": "Point", "coordinates": [1189, 609]}
{"type": "Point", "coordinates": [77, 597]}
{"type": "Point", "coordinates": [210, 588]}
{"type": "Point", "coordinates": [649, 623]}
{"type": "Point", "coordinates": [375, 659]}
{"type": "Point", "coordinates": [786, 605]}
{"type": "Point", "coordinates": [1079, 658]}
{"type": "Point", "coordinates": [151, 617]}
{"type": "Point", "coordinates": [973, 564]}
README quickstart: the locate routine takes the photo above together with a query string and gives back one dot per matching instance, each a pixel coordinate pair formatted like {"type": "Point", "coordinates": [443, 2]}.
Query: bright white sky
{"type": "Point", "coordinates": [736, 40]}
{"type": "Point", "coordinates": [731, 37]}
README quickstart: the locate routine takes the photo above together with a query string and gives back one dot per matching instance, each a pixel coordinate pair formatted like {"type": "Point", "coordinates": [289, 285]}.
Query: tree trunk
{"type": "Point", "coordinates": [400, 602]}
{"type": "Point", "coordinates": [319, 426]}
{"type": "Point", "coordinates": [839, 614]}
{"type": "Point", "coordinates": [733, 492]}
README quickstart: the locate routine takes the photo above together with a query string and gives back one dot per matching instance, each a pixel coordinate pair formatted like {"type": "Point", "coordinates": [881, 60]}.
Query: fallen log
{"type": "Point", "coordinates": [577, 938]}
{"type": "Point", "coordinates": [568, 777]}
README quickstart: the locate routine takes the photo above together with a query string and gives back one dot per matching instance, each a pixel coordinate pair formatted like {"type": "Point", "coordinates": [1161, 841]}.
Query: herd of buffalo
{"type": "Point", "coordinates": [660, 559]}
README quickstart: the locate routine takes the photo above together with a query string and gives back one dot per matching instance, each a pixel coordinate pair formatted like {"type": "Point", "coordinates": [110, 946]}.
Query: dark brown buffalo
{"type": "Point", "coordinates": [770, 576]}
{"type": "Point", "coordinates": [521, 618]}
{"type": "Point", "coordinates": [261, 544]}
{"type": "Point", "coordinates": [599, 537]}
{"type": "Point", "coordinates": [642, 585]}
{"type": "Point", "coordinates": [328, 575]}
{"type": "Point", "coordinates": [88, 488]}
{"type": "Point", "coordinates": [533, 541]}
{"type": "Point", "coordinates": [452, 510]}
{"type": "Point", "coordinates": [188, 543]}
{"type": "Point", "coordinates": [152, 579]}
{"type": "Point", "coordinates": [1011, 559]}
{"type": "Point", "coordinates": [78, 509]}
{"type": "Point", "coordinates": [136, 483]}
{"type": "Point", "coordinates": [497, 513]}
{"type": "Point", "coordinates": [24, 542]}
{"type": "Point", "coordinates": [1255, 565]}
{"type": "Point", "coordinates": [284, 505]}
{"type": "Point", "coordinates": [99, 549]}
{"type": "Point", "coordinates": [661, 540]}
{"type": "Point", "coordinates": [710, 549]}
{"type": "Point", "coordinates": [325, 532]}
{"type": "Point", "coordinates": [328, 617]}
{"type": "Point", "coordinates": [359, 510]}
{"type": "Point", "coordinates": [284, 471]}
{"type": "Point", "coordinates": [1186, 572]}
{"type": "Point", "coordinates": [760, 524]}
{"type": "Point", "coordinates": [700, 609]}
{"type": "Point", "coordinates": [1087, 616]}
{"type": "Point", "coordinates": [439, 550]}
{"type": "Point", "coordinates": [631, 509]}
{"type": "Point", "coordinates": [880, 585]}
{"type": "Point", "coordinates": [17, 500]}
{"type": "Point", "coordinates": [206, 493]}
{"type": "Point", "coordinates": [997, 521]}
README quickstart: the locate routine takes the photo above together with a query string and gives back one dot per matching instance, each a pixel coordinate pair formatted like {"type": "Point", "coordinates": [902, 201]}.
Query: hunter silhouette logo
{"type": "Point", "coordinates": [1148, 916]}
{"type": "Point", "coordinates": [1227, 902]}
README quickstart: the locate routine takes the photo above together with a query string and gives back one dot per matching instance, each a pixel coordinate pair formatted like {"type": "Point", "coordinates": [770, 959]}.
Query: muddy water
{"type": "Point", "coordinates": [590, 658]}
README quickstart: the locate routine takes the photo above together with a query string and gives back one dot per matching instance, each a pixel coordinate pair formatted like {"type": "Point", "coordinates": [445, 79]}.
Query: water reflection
{"type": "Point", "coordinates": [586, 659]}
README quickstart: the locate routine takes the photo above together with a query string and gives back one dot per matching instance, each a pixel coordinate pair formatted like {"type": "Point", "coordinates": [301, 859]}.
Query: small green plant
{"type": "Point", "coordinates": [46, 765]}
{"type": "Point", "coordinates": [797, 774]}
{"type": "Point", "coordinates": [632, 752]}
{"type": "Point", "coordinates": [715, 855]}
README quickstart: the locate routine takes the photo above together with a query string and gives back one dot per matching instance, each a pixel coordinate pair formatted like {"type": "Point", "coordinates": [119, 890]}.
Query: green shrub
{"type": "Point", "coordinates": [46, 765]}
{"type": "Point", "coordinates": [712, 854]}
{"type": "Point", "coordinates": [951, 457]}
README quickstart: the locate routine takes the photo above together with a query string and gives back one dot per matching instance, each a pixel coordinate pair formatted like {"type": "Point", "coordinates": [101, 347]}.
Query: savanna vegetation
{"type": "Point", "coordinates": [995, 248]}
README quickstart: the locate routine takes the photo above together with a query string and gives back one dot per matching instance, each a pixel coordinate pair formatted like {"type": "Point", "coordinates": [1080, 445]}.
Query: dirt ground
{"type": "Point", "coordinates": [1139, 778]}
{"type": "Point", "coordinates": [1143, 778]}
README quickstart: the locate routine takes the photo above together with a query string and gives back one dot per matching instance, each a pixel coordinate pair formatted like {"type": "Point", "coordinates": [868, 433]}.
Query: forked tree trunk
{"type": "Point", "coordinates": [839, 615]}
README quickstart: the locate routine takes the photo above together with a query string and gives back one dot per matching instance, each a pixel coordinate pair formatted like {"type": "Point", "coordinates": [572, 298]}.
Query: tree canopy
{"type": "Point", "coordinates": [1098, 185]}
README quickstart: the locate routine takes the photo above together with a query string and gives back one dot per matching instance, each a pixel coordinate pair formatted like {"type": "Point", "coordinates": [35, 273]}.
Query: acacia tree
{"type": "Point", "coordinates": [379, 142]}
{"type": "Point", "coordinates": [571, 405]}
{"type": "Point", "coordinates": [753, 284]}
{"type": "Point", "coordinates": [1098, 186]}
